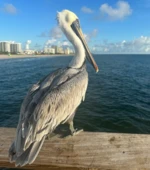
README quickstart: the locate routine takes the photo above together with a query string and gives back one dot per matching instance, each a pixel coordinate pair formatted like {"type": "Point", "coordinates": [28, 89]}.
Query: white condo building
{"type": "Point", "coordinates": [10, 47]}
{"type": "Point", "coordinates": [5, 46]}
{"type": "Point", "coordinates": [27, 47]}
{"type": "Point", "coordinates": [49, 50]}
{"type": "Point", "coordinates": [15, 48]}
{"type": "Point", "coordinates": [67, 51]}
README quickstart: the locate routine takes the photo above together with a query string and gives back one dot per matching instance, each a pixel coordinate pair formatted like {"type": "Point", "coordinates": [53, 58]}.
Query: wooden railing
{"type": "Point", "coordinates": [87, 150]}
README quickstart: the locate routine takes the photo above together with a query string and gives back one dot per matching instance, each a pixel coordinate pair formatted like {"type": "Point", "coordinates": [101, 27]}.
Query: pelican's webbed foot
{"type": "Point", "coordinates": [64, 133]}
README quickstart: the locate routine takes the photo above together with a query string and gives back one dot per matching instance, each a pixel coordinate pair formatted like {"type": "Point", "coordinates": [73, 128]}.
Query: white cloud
{"type": "Point", "coordinates": [139, 45]}
{"type": "Point", "coordinates": [65, 43]}
{"type": "Point", "coordinates": [62, 43]}
{"type": "Point", "coordinates": [86, 10]}
{"type": "Point", "coordinates": [28, 42]}
{"type": "Point", "coordinates": [121, 11]}
{"type": "Point", "coordinates": [86, 37]}
{"type": "Point", "coordinates": [50, 42]}
{"type": "Point", "coordinates": [56, 32]}
{"type": "Point", "coordinates": [43, 34]}
{"type": "Point", "coordinates": [147, 49]}
{"type": "Point", "coordinates": [9, 8]}
{"type": "Point", "coordinates": [91, 35]}
{"type": "Point", "coordinates": [94, 33]}
{"type": "Point", "coordinates": [56, 35]}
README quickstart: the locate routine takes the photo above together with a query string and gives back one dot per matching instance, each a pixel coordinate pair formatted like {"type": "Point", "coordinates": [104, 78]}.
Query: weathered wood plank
{"type": "Point", "coordinates": [105, 151]}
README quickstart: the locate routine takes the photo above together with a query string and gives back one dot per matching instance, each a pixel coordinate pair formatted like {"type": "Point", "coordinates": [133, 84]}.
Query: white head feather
{"type": "Point", "coordinates": [65, 19]}
{"type": "Point", "coordinates": [66, 16]}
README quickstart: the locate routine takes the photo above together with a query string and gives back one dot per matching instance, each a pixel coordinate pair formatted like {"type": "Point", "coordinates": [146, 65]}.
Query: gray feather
{"type": "Point", "coordinates": [48, 103]}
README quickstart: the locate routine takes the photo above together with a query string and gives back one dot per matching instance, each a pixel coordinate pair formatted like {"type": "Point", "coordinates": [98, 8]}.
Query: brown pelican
{"type": "Point", "coordinates": [54, 99]}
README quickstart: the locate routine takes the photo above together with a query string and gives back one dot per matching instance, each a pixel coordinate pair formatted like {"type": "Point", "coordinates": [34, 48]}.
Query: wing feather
{"type": "Point", "coordinates": [48, 103]}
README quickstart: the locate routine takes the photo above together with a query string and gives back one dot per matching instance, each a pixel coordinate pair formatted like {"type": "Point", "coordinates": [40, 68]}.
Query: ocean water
{"type": "Point", "coordinates": [117, 99]}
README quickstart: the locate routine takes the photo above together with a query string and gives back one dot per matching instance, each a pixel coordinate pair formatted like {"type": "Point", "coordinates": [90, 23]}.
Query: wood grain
{"type": "Point", "coordinates": [87, 150]}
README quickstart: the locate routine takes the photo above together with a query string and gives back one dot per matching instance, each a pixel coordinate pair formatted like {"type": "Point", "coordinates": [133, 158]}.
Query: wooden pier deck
{"type": "Point", "coordinates": [87, 150]}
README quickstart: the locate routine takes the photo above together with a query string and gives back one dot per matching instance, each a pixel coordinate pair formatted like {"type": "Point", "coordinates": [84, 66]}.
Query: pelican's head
{"type": "Point", "coordinates": [68, 20]}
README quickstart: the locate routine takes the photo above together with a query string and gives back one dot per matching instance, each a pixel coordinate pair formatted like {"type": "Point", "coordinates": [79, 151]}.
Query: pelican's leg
{"type": "Point", "coordinates": [71, 127]}
{"type": "Point", "coordinates": [73, 131]}
{"type": "Point", "coordinates": [59, 131]}
{"type": "Point", "coordinates": [50, 135]}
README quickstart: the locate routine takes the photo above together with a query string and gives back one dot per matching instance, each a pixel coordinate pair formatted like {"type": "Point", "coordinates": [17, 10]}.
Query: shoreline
{"type": "Point", "coordinates": [30, 56]}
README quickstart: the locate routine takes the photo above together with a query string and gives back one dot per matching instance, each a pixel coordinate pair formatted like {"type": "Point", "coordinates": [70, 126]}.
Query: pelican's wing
{"type": "Point", "coordinates": [49, 103]}
{"type": "Point", "coordinates": [36, 92]}
{"type": "Point", "coordinates": [33, 98]}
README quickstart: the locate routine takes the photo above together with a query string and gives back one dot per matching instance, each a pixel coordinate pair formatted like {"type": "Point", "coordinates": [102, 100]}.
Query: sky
{"type": "Point", "coordinates": [109, 26]}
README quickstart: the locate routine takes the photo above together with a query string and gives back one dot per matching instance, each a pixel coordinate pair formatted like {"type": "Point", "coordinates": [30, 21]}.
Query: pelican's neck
{"type": "Point", "coordinates": [79, 57]}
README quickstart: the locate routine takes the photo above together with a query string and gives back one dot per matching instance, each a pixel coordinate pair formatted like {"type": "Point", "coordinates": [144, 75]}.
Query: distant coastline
{"type": "Point", "coordinates": [30, 56]}
{"type": "Point", "coordinates": [4, 56]}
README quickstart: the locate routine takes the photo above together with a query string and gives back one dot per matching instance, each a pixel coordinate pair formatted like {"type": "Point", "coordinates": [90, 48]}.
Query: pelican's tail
{"type": "Point", "coordinates": [26, 157]}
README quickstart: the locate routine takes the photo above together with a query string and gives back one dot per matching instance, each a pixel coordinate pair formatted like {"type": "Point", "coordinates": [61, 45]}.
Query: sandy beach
{"type": "Point", "coordinates": [29, 56]}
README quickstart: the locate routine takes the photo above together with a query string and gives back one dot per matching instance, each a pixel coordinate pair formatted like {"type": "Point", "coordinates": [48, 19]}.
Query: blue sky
{"type": "Point", "coordinates": [109, 26]}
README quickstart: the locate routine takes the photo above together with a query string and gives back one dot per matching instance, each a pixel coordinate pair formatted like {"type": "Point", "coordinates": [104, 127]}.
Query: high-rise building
{"type": "Point", "coordinates": [49, 50]}
{"type": "Point", "coordinates": [5, 46]}
{"type": "Point", "coordinates": [58, 50]}
{"type": "Point", "coordinates": [67, 51]}
{"type": "Point", "coordinates": [18, 47]}
{"type": "Point", "coordinates": [12, 47]}
{"type": "Point", "coordinates": [1, 47]}
{"type": "Point", "coordinates": [15, 48]}
{"type": "Point", "coordinates": [28, 42]}
{"type": "Point", "coordinates": [27, 47]}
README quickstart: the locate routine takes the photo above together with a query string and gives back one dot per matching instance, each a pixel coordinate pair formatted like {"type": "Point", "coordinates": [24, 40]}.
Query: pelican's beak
{"type": "Point", "coordinates": [76, 28]}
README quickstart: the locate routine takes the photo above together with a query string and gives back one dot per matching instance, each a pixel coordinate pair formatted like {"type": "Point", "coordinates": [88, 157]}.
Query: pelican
{"type": "Point", "coordinates": [53, 100]}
